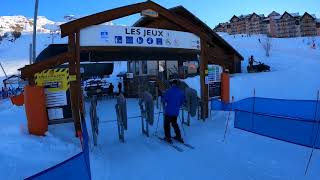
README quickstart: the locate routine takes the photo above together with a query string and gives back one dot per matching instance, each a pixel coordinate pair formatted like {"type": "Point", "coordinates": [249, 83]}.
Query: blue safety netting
{"type": "Point", "coordinates": [75, 168]}
{"type": "Point", "coordinates": [217, 104]}
{"type": "Point", "coordinates": [295, 121]}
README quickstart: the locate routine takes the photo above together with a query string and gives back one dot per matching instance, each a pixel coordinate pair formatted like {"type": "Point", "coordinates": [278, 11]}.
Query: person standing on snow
{"type": "Point", "coordinates": [111, 87]}
{"type": "Point", "coordinates": [173, 100]}
{"type": "Point", "coordinates": [120, 87]}
{"type": "Point", "coordinates": [251, 61]}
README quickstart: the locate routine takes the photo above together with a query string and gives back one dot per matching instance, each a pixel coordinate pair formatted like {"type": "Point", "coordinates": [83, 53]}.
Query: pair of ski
{"type": "Point", "coordinates": [175, 146]}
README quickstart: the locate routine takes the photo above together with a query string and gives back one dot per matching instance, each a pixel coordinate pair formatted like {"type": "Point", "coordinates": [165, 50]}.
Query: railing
{"type": "Point", "coordinates": [295, 121]}
{"type": "Point", "coordinates": [77, 167]}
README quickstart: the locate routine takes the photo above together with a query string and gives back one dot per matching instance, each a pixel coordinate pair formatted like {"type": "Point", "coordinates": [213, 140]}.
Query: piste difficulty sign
{"type": "Point", "coordinates": [106, 35]}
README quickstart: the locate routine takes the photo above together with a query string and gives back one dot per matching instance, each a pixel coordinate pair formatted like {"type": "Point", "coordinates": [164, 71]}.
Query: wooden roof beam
{"type": "Point", "coordinates": [52, 62]}
{"type": "Point", "coordinates": [102, 17]}
{"type": "Point", "coordinates": [124, 11]}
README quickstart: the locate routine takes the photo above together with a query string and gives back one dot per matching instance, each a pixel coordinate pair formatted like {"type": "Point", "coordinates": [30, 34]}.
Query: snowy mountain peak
{"type": "Point", "coordinates": [24, 24]}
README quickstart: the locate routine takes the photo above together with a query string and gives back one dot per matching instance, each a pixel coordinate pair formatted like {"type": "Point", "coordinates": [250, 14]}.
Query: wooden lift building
{"type": "Point", "coordinates": [212, 48]}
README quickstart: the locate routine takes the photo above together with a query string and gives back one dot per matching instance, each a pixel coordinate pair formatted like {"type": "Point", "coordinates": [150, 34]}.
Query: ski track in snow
{"type": "Point", "coordinates": [295, 72]}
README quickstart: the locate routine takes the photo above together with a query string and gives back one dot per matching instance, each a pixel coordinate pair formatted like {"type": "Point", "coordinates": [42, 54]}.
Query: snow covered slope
{"type": "Point", "coordinates": [294, 68]}
{"type": "Point", "coordinates": [14, 55]}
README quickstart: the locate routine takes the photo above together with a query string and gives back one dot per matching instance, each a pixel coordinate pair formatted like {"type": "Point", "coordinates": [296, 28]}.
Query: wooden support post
{"type": "Point", "coordinates": [204, 87]}
{"type": "Point", "coordinates": [78, 73]}
{"type": "Point", "coordinates": [74, 96]}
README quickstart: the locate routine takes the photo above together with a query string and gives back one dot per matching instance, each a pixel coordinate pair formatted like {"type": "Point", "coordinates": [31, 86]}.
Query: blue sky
{"type": "Point", "coordinates": [210, 11]}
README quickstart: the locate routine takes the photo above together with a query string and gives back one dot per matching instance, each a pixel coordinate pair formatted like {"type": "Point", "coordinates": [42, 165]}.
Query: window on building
{"type": "Point", "coordinates": [136, 68]}
{"type": "Point", "coordinates": [144, 67]}
{"type": "Point", "coordinates": [131, 67]}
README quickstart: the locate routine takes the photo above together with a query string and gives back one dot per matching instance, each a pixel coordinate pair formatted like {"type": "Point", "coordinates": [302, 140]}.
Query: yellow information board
{"type": "Point", "coordinates": [53, 79]}
{"type": "Point", "coordinates": [56, 85]}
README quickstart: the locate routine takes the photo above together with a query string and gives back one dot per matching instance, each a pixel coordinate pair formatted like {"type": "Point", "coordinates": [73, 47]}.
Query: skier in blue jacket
{"type": "Point", "coordinates": [173, 100]}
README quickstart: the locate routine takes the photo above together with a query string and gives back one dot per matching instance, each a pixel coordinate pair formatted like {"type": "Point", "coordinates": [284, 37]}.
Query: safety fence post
{"type": "Point", "coordinates": [228, 118]}
{"type": "Point", "coordinates": [94, 119]}
{"type": "Point", "coordinates": [253, 109]}
{"type": "Point", "coordinates": [317, 122]}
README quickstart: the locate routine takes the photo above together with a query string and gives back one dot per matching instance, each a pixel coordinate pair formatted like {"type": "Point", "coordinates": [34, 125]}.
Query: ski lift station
{"type": "Point", "coordinates": [114, 80]}
{"type": "Point", "coordinates": [162, 45]}
{"type": "Point", "coordinates": [157, 46]}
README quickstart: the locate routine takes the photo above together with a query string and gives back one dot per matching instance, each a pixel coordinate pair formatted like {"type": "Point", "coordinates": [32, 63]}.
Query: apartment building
{"type": "Point", "coordinates": [238, 25]}
{"type": "Point", "coordinates": [318, 27]}
{"type": "Point", "coordinates": [223, 27]}
{"type": "Point", "coordinates": [288, 25]}
{"type": "Point", "coordinates": [256, 24]}
{"type": "Point", "coordinates": [308, 25]}
{"type": "Point", "coordinates": [273, 18]}
{"type": "Point", "coordinates": [275, 25]}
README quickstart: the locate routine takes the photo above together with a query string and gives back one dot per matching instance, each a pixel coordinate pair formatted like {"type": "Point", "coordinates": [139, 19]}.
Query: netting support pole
{"type": "Point", "coordinates": [156, 132]}
{"type": "Point", "coordinates": [253, 106]}
{"type": "Point", "coordinates": [317, 134]}
{"type": "Point", "coordinates": [227, 124]}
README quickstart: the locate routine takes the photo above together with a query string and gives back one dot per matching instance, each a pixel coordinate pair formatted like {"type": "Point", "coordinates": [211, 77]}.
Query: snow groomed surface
{"type": "Point", "coordinates": [75, 168]}
{"type": "Point", "coordinates": [295, 121]}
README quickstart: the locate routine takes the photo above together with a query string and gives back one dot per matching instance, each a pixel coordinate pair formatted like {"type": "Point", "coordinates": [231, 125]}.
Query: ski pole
{"type": "Point", "coordinates": [316, 137]}
{"type": "Point", "coordinates": [156, 132]}
{"type": "Point", "coordinates": [227, 124]}
{"type": "Point", "coordinates": [182, 126]}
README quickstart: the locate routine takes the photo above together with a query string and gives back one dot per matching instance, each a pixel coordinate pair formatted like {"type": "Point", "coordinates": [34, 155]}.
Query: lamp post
{"type": "Point", "coordinates": [34, 39]}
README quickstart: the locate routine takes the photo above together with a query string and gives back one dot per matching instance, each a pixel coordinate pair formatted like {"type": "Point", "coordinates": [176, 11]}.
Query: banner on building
{"type": "Point", "coordinates": [106, 35]}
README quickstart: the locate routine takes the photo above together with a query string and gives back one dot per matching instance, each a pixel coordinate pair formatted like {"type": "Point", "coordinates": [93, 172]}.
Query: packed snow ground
{"type": "Point", "coordinates": [242, 156]}
{"type": "Point", "coordinates": [21, 154]}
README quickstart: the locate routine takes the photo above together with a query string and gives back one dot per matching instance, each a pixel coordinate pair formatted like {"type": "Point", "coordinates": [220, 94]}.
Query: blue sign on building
{"type": "Point", "coordinates": [104, 34]}
{"type": "Point", "coordinates": [159, 41]}
{"type": "Point", "coordinates": [150, 40]}
{"type": "Point", "coordinates": [118, 39]}
{"type": "Point", "coordinates": [129, 40]}
{"type": "Point", "coordinates": [139, 40]}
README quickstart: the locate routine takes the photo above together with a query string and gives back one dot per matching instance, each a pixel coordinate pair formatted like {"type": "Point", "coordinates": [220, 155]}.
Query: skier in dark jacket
{"type": "Point", "coordinates": [120, 87]}
{"type": "Point", "coordinates": [251, 61]}
{"type": "Point", "coordinates": [173, 100]}
{"type": "Point", "coordinates": [111, 87]}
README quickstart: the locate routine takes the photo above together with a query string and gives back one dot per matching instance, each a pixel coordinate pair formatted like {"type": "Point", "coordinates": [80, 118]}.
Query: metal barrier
{"type": "Point", "coordinates": [122, 120]}
{"type": "Point", "coordinates": [74, 168]}
{"type": "Point", "coordinates": [94, 119]}
{"type": "Point", "coordinates": [191, 104]}
{"type": "Point", "coordinates": [147, 112]}
{"type": "Point", "coordinates": [295, 121]}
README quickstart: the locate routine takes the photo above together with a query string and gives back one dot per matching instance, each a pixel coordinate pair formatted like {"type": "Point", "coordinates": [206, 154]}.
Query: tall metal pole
{"type": "Point", "coordinates": [34, 31]}
{"type": "Point", "coordinates": [30, 54]}
{"type": "Point", "coordinates": [5, 74]}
